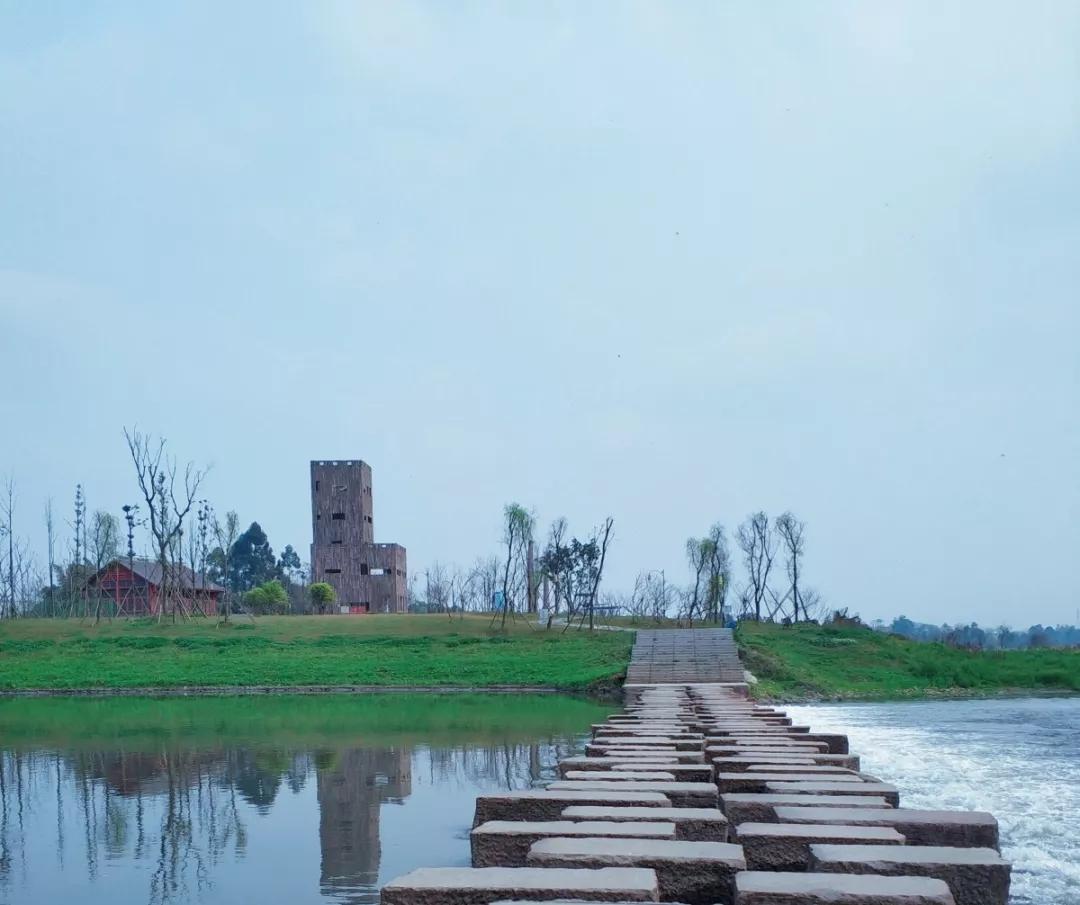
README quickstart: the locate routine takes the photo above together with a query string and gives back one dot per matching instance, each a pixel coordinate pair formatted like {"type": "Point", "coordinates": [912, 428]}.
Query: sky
{"type": "Point", "coordinates": [670, 263]}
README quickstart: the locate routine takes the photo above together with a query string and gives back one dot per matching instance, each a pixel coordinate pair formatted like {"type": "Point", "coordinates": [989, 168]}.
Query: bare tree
{"type": "Point", "coordinates": [791, 532]}
{"type": "Point", "coordinates": [518, 526]}
{"type": "Point", "coordinates": [103, 546]}
{"type": "Point", "coordinates": [698, 554]}
{"type": "Point", "coordinates": [226, 536]}
{"type": "Point", "coordinates": [169, 498]}
{"type": "Point", "coordinates": [758, 544]}
{"type": "Point", "coordinates": [50, 535]}
{"type": "Point", "coordinates": [601, 540]}
{"type": "Point", "coordinates": [813, 604]}
{"type": "Point", "coordinates": [7, 529]}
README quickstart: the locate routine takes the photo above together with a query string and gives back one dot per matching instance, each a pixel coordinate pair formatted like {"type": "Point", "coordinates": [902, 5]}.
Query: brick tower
{"type": "Point", "coordinates": [368, 577]}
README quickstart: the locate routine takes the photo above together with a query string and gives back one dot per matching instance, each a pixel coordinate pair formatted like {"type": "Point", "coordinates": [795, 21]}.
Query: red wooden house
{"type": "Point", "coordinates": [139, 587]}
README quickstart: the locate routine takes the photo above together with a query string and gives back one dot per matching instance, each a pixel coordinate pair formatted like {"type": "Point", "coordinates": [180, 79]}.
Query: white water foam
{"type": "Point", "coordinates": [1018, 759]}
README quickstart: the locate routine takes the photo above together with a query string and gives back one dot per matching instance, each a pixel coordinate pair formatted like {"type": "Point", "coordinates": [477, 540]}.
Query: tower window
{"type": "Point", "coordinates": [333, 571]}
{"type": "Point", "coordinates": [338, 516]}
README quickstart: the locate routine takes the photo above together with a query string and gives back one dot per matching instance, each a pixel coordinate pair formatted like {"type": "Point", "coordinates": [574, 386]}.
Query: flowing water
{"type": "Point", "coordinates": [227, 800]}
{"type": "Point", "coordinates": [316, 800]}
{"type": "Point", "coordinates": [1018, 759]}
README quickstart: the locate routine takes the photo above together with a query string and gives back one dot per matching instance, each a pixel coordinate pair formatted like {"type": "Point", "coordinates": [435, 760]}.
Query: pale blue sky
{"type": "Point", "coordinates": [667, 262]}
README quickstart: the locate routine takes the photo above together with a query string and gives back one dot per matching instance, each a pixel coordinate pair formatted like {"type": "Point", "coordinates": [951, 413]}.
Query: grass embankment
{"type": "Point", "coordinates": [302, 651]}
{"type": "Point", "coordinates": [826, 662]}
{"type": "Point", "coordinates": [149, 724]}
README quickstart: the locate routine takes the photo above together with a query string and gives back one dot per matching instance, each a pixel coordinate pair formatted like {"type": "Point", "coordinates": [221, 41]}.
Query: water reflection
{"type": "Point", "coordinates": [217, 823]}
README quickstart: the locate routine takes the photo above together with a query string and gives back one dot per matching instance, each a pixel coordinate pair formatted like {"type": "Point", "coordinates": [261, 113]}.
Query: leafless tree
{"type": "Point", "coordinates": [758, 544]}
{"type": "Point", "coordinates": [601, 540]}
{"type": "Point", "coordinates": [518, 526]}
{"type": "Point", "coordinates": [697, 557]}
{"type": "Point", "coordinates": [226, 535]}
{"type": "Point", "coordinates": [7, 530]}
{"type": "Point", "coordinates": [791, 531]}
{"type": "Point", "coordinates": [103, 547]}
{"type": "Point", "coordinates": [813, 604]}
{"type": "Point", "coordinates": [169, 498]}
{"type": "Point", "coordinates": [50, 536]}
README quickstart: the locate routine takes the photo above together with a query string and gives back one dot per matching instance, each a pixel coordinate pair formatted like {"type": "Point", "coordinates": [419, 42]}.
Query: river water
{"type": "Point", "coordinates": [227, 800]}
{"type": "Point", "coordinates": [320, 800]}
{"type": "Point", "coordinates": [1018, 759]}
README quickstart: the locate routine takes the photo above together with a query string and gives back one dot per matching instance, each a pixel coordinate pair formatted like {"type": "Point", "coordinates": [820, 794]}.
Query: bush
{"type": "Point", "coordinates": [267, 598]}
{"type": "Point", "coordinates": [322, 596]}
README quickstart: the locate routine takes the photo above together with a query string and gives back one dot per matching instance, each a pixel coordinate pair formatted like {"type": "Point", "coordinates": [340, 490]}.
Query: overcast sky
{"type": "Point", "coordinates": [665, 262]}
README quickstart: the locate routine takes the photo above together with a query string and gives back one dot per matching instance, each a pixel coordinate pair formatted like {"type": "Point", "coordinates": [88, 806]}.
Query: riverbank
{"type": "Point", "coordinates": [313, 654]}
{"type": "Point", "coordinates": [809, 663]}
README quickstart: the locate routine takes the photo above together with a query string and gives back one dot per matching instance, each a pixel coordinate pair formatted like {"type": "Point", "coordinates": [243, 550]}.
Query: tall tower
{"type": "Point", "coordinates": [367, 576]}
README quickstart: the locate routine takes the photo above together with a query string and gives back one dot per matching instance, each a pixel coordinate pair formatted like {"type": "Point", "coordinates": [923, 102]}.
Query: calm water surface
{"type": "Point", "coordinates": [308, 800]}
{"type": "Point", "coordinates": [1018, 759]}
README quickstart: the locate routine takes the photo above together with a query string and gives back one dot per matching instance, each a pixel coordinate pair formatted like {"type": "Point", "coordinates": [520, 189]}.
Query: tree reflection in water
{"type": "Point", "coordinates": [182, 813]}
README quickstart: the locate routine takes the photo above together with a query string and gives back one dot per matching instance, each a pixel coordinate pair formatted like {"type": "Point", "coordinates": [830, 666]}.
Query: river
{"type": "Point", "coordinates": [272, 800]}
{"type": "Point", "coordinates": [321, 800]}
{"type": "Point", "coordinates": [1018, 759]}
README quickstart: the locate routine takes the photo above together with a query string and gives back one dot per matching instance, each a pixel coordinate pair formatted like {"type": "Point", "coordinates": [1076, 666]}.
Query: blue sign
{"type": "Point", "coordinates": [498, 600]}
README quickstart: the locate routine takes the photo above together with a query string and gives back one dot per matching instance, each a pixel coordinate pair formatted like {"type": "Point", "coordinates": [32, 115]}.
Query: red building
{"type": "Point", "coordinates": [140, 588]}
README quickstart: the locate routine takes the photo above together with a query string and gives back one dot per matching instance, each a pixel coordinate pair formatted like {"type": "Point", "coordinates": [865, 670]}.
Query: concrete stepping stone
{"type": "Point", "coordinates": [680, 794]}
{"type": "Point", "coordinates": [759, 781]}
{"type": "Point", "coordinates": [976, 876]}
{"type": "Point", "coordinates": [775, 888]}
{"type": "Point", "coordinates": [742, 807]}
{"type": "Point", "coordinates": [959, 829]}
{"type": "Point", "coordinates": [837, 744]}
{"type": "Point", "coordinates": [697, 873]}
{"type": "Point", "coordinates": [485, 885]}
{"type": "Point", "coordinates": [638, 774]}
{"type": "Point", "coordinates": [691, 824]}
{"type": "Point", "coordinates": [739, 759]}
{"type": "Point", "coordinates": [889, 793]}
{"type": "Point", "coordinates": [506, 843]}
{"type": "Point", "coordinates": [684, 772]}
{"type": "Point", "coordinates": [786, 846]}
{"type": "Point", "coordinates": [645, 761]}
{"type": "Point", "coordinates": [543, 804]}
{"type": "Point", "coordinates": [653, 741]}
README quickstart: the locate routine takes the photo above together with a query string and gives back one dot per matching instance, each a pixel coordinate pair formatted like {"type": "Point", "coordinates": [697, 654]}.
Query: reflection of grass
{"type": "Point", "coordinates": [852, 662]}
{"type": "Point", "coordinates": [289, 651]}
{"type": "Point", "coordinates": [321, 722]}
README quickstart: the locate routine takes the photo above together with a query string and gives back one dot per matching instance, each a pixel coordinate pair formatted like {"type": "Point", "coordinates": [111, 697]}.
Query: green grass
{"type": "Point", "coordinates": [148, 724]}
{"type": "Point", "coordinates": [294, 651]}
{"type": "Point", "coordinates": [809, 661]}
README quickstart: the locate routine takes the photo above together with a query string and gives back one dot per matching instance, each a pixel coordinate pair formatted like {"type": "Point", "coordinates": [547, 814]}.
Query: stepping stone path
{"type": "Point", "coordinates": [691, 656]}
{"type": "Point", "coordinates": [695, 794]}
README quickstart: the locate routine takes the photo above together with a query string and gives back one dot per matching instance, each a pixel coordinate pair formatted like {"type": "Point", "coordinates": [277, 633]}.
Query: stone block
{"type": "Point", "coordinates": [506, 843]}
{"type": "Point", "coordinates": [697, 873]}
{"type": "Point", "coordinates": [774, 888]}
{"type": "Point", "coordinates": [485, 885]}
{"type": "Point", "coordinates": [741, 807]}
{"type": "Point", "coordinates": [889, 793]}
{"type": "Point", "coordinates": [976, 876]}
{"type": "Point", "coordinates": [960, 829]}
{"type": "Point", "coordinates": [837, 744]}
{"type": "Point", "coordinates": [759, 781]}
{"type": "Point", "coordinates": [734, 761]}
{"type": "Point", "coordinates": [646, 761]}
{"type": "Point", "coordinates": [786, 846]}
{"type": "Point", "coordinates": [680, 794]}
{"type": "Point", "coordinates": [542, 804]}
{"type": "Point", "coordinates": [683, 772]}
{"type": "Point", "coordinates": [684, 757]}
{"type": "Point", "coordinates": [639, 773]}
{"type": "Point", "coordinates": [691, 824]}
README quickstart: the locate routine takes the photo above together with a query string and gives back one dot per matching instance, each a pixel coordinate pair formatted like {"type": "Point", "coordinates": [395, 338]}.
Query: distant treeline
{"type": "Point", "coordinates": [976, 637]}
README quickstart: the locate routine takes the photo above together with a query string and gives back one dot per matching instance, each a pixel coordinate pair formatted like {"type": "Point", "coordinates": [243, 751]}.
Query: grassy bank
{"type": "Point", "coordinates": [297, 651]}
{"type": "Point", "coordinates": [824, 662]}
{"type": "Point", "coordinates": [150, 724]}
